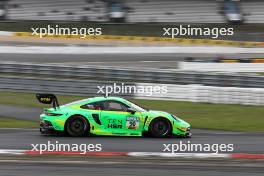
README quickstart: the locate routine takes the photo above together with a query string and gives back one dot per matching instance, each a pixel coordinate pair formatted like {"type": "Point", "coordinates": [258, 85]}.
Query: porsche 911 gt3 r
{"type": "Point", "coordinates": [113, 116]}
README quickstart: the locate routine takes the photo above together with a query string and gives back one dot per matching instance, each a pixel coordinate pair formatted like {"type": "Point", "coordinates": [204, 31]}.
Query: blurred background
{"type": "Point", "coordinates": [215, 84]}
{"type": "Point", "coordinates": [124, 11]}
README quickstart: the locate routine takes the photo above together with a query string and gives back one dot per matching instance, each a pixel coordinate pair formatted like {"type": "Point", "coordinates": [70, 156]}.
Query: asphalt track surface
{"type": "Point", "coordinates": [129, 166]}
{"type": "Point", "coordinates": [119, 60]}
{"type": "Point", "coordinates": [23, 138]}
{"type": "Point", "coordinates": [243, 142]}
{"type": "Point", "coordinates": [22, 113]}
{"type": "Point", "coordinates": [31, 166]}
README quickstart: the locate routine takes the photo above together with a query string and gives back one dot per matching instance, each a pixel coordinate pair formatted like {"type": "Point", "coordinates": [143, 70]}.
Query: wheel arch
{"type": "Point", "coordinates": [163, 118]}
{"type": "Point", "coordinates": [74, 115]}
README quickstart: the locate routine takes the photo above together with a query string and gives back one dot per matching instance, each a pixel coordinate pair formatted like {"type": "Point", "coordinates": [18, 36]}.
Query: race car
{"type": "Point", "coordinates": [112, 116]}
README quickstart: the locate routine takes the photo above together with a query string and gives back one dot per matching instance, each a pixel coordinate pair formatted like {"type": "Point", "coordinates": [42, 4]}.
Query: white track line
{"type": "Point", "coordinates": [124, 50]}
{"type": "Point", "coordinates": [181, 155]}
{"type": "Point", "coordinates": [6, 33]}
{"type": "Point", "coordinates": [144, 154]}
{"type": "Point", "coordinates": [25, 129]}
{"type": "Point", "coordinates": [11, 151]}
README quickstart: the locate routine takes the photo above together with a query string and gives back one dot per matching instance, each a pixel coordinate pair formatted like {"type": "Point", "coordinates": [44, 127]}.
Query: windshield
{"type": "Point", "coordinates": [76, 102]}
{"type": "Point", "coordinates": [137, 107]}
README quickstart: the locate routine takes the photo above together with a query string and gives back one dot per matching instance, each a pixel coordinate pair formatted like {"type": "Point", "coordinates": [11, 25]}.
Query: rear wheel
{"type": "Point", "coordinates": [160, 128]}
{"type": "Point", "coordinates": [77, 126]}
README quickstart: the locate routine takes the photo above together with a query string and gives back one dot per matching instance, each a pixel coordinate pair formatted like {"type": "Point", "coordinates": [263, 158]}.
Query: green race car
{"type": "Point", "coordinates": [113, 116]}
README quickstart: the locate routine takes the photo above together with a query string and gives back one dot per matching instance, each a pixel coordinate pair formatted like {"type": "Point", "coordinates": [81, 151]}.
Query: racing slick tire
{"type": "Point", "coordinates": [160, 128]}
{"type": "Point", "coordinates": [77, 126]}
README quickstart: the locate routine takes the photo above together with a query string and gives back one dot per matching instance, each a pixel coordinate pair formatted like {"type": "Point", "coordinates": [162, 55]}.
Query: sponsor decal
{"type": "Point", "coordinates": [114, 123]}
{"type": "Point", "coordinates": [132, 123]}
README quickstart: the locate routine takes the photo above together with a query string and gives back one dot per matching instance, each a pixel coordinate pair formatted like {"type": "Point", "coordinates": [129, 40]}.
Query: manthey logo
{"type": "Point", "coordinates": [122, 88]}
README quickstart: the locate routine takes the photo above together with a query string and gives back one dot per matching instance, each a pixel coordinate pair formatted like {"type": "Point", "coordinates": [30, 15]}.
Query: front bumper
{"type": "Point", "coordinates": [182, 132]}
{"type": "Point", "coordinates": [188, 132]}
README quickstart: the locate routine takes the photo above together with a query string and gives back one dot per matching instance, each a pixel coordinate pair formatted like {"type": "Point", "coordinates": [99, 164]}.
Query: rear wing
{"type": "Point", "coordinates": [48, 99]}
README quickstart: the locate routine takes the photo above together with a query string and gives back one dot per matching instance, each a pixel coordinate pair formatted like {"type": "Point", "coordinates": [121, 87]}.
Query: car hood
{"type": "Point", "coordinates": [157, 113]}
{"type": "Point", "coordinates": [154, 113]}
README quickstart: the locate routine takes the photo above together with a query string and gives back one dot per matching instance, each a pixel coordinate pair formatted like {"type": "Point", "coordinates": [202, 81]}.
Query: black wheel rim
{"type": "Point", "coordinates": [77, 126]}
{"type": "Point", "coordinates": [161, 128]}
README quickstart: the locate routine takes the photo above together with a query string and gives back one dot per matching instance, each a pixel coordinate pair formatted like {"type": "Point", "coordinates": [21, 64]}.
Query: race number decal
{"type": "Point", "coordinates": [132, 123]}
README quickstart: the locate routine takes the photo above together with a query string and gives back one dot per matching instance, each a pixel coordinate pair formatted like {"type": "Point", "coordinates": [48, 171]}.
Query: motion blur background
{"type": "Point", "coordinates": [214, 84]}
{"type": "Point", "coordinates": [201, 11]}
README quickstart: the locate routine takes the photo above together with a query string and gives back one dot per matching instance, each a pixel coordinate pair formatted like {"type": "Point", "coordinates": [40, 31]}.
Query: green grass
{"type": "Point", "coordinates": [15, 123]}
{"type": "Point", "coordinates": [29, 99]}
{"type": "Point", "coordinates": [200, 115]}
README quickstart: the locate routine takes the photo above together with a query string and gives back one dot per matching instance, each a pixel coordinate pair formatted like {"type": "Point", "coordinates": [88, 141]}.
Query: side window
{"type": "Point", "coordinates": [92, 106]}
{"type": "Point", "coordinates": [114, 106]}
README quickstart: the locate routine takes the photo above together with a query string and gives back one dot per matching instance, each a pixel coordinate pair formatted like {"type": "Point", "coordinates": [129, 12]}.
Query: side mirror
{"type": "Point", "coordinates": [132, 111]}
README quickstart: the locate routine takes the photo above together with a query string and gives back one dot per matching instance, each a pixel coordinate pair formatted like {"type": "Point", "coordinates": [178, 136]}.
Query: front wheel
{"type": "Point", "coordinates": [77, 126]}
{"type": "Point", "coordinates": [160, 128]}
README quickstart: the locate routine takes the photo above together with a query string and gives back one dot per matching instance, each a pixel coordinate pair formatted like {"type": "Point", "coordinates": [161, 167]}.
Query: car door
{"type": "Point", "coordinates": [117, 120]}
